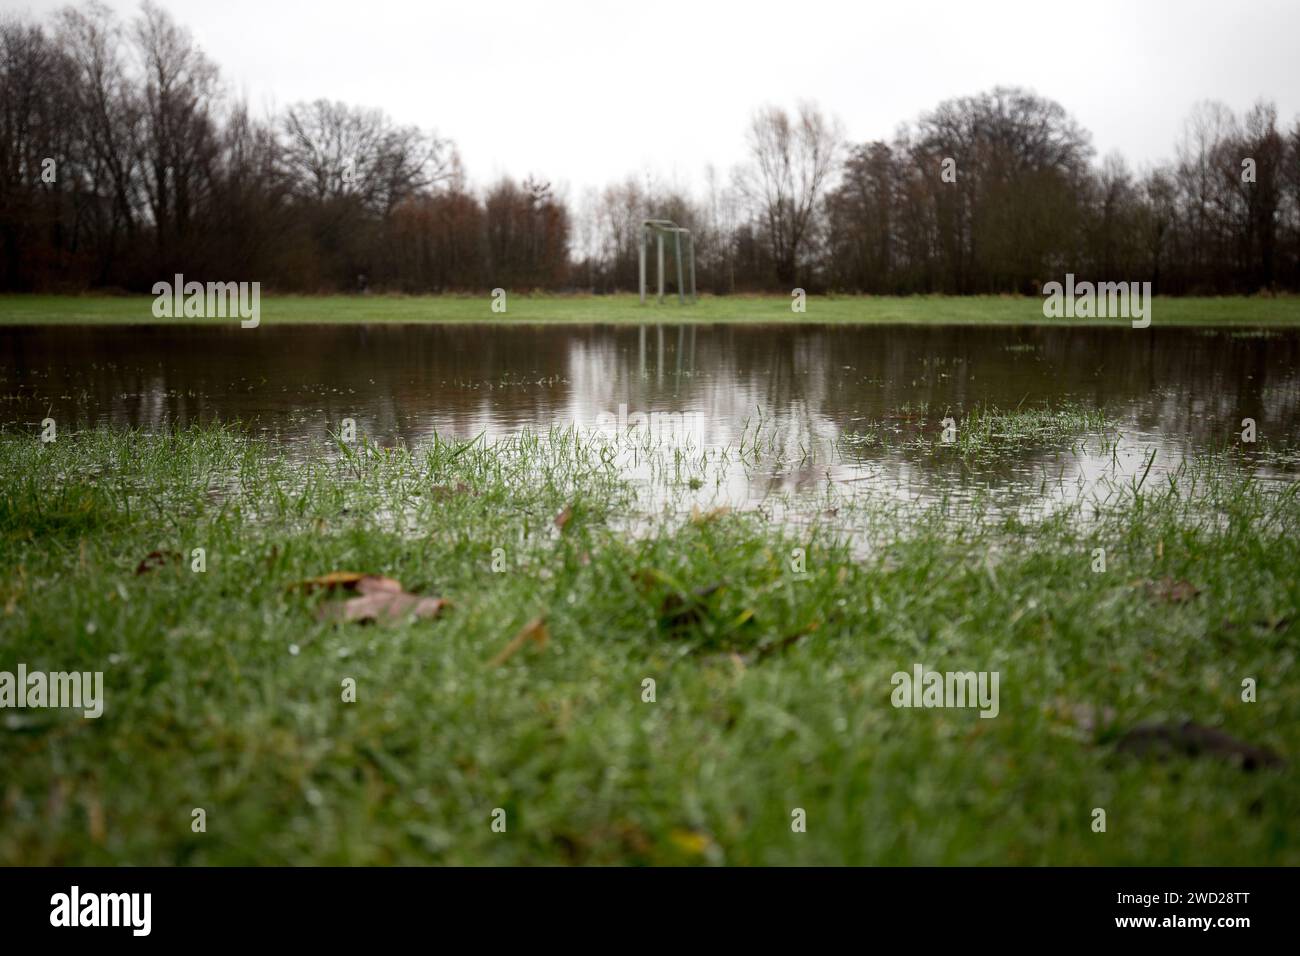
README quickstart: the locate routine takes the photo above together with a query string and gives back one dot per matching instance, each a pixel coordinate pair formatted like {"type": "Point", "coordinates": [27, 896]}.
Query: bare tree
{"type": "Point", "coordinates": [791, 162]}
{"type": "Point", "coordinates": [335, 150]}
{"type": "Point", "coordinates": [158, 170]}
{"type": "Point", "coordinates": [105, 117]}
{"type": "Point", "coordinates": [1259, 197]}
{"type": "Point", "coordinates": [1205, 147]}
{"type": "Point", "coordinates": [179, 144]}
{"type": "Point", "coordinates": [31, 131]}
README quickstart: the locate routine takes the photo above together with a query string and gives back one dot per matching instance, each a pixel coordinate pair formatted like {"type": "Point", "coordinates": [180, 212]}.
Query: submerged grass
{"type": "Point", "coordinates": [980, 432]}
{"type": "Point", "coordinates": [223, 689]}
{"type": "Point", "coordinates": [626, 309]}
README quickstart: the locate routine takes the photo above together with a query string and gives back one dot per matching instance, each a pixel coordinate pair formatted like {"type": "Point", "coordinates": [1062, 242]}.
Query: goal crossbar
{"type": "Point", "coordinates": [661, 228]}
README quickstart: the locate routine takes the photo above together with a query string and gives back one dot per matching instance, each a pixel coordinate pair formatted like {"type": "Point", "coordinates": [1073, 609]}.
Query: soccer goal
{"type": "Point", "coordinates": [660, 229]}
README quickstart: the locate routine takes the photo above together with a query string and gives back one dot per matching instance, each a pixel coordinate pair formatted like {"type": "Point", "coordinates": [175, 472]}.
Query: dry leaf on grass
{"type": "Point", "coordinates": [378, 599]}
{"type": "Point", "coordinates": [384, 606]}
{"type": "Point", "coordinates": [349, 581]}
{"type": "Point", "coordinates": [535, 631]}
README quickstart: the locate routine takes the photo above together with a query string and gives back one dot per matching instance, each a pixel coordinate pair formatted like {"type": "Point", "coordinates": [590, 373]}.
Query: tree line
{"type": "Point", "coordinates": [125, 161]}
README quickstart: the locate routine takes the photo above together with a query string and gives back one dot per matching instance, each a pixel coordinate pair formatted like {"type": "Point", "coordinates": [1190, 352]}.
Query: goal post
{"type": "Point", "coordinates": [660, 229]}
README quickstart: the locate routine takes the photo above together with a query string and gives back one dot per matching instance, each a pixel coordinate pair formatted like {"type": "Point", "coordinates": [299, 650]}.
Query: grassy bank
{"type": "Point", "coordinates": [223, 688]}
{"type": "Point", "coordinates": [970, 310]}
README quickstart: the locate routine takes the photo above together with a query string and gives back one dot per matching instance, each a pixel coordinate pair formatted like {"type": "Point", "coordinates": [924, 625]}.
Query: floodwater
{"type": "Point", "coordinates": [822, 410]}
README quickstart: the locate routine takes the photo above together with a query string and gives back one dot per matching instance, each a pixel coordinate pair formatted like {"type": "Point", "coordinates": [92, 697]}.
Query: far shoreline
{"type": "Point", "coordinates": [100, 308]}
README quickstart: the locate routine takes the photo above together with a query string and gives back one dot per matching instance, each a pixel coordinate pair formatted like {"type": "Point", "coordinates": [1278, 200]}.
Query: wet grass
{"type": "Point", "coordinates": [981, 432]}
{"type": "Point", "coordinates": [626, 309]}
{"type": "Point", "coordinates": [223, 689]}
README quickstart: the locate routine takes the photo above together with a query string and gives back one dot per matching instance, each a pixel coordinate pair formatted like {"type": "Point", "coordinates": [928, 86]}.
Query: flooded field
{"type": "Point", "coordinates": [742, 416]}
{"type": "Point", "coordinates": [768, 524]}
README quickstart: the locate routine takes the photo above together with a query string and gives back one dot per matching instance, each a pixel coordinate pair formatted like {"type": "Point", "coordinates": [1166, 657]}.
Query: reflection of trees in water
{"type": "Point", "coordinates": [401, 382]}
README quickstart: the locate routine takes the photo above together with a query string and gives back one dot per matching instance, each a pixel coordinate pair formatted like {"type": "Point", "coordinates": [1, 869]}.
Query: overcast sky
{"type": "Point", "coordinates": [583, 93]}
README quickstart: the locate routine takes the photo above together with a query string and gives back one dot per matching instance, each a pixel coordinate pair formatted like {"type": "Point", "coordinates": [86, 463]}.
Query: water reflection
{"type": "Point", "coordinates": [799, 396]}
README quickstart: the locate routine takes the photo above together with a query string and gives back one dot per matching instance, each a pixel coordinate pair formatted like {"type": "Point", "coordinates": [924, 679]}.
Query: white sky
{"type": "Point", "coordinates": [583, 93]}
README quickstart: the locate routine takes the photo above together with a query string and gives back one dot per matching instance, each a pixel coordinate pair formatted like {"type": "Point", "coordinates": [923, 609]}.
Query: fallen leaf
{"type": "Point", "coordinates": [1193, 740]}
{"type": "Point", "coordinates": [379, 598]}
{"type": "Point", "coordinates": [382, 605]}
{"type": "Point", "coordinates": [154, 560]}
{"type": "Point", "coordinates": [535, 631]}
{"type": "Point", "coordinates": [349, 581]}
{"type": "Point", "coordinates": [374, 584]}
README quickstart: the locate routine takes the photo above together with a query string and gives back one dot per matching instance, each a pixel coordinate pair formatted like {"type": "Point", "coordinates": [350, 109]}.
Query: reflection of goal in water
{"type": "Point", "coordinates": [662, 228]}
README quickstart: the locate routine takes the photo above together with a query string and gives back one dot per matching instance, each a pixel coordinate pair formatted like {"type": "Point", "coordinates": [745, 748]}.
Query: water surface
{"type": "Point", "coordinates": [821, 410]}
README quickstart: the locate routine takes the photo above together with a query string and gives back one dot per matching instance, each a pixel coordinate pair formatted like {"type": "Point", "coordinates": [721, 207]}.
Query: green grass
{"type": "Point", "coordinates": [969, 310]}
{"type": "Point", "coordinates": [983, 434]}
{"type": "Point", "coordinates": [773, 691]}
